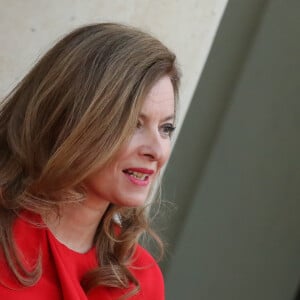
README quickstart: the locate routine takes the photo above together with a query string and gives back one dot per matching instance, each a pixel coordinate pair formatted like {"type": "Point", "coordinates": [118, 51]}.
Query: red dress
{"type": "Point", "coordinates": [63, 269]}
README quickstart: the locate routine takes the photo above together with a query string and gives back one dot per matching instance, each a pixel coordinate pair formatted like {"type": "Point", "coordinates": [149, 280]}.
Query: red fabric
{"type": "Point", "coordinates": [63, 268]}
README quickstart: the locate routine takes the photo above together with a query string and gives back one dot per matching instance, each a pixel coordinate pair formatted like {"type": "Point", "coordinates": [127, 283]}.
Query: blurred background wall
{"type": "Point", "coordinates": [29, 28]}
{"type": "Point", "coordinates": [235, 170]}
{"type": "Point", "coordinates": [233, 230]}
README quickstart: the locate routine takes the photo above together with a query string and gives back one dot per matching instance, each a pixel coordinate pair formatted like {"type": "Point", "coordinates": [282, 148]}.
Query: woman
{"type": "Point", "coordinates": [83, 138]}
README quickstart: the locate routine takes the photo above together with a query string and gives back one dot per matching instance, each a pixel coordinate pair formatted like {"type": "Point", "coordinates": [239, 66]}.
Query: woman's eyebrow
{"type": "Point", "coordinates": [168, 118]}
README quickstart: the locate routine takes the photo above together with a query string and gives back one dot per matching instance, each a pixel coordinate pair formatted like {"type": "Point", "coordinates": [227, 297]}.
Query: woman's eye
{"type": "Point", "coordinates": [139, 125]}
{"type": "Point", "coordinates": [167, 129]}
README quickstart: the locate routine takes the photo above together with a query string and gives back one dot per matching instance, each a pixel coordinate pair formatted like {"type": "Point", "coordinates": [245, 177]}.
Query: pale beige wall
{"type": "Point", "coordinates": [28, 28]}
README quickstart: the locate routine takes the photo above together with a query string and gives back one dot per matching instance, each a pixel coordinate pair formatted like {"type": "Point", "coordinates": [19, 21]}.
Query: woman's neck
{"type": "Point", "coordinates": [77, 225]}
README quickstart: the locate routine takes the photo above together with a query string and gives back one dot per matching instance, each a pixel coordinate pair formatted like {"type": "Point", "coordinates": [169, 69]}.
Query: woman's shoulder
{"type": "Point", "coordinates": [147, 271]}
{"type": "Point", "coordinates": [143, 257]}
{"type": "Point", "coordinates": [26, 241]}
{"type": "Point", "coordinates": [28, 233]}
{"type": "Point", "coordinates": [27, 221]}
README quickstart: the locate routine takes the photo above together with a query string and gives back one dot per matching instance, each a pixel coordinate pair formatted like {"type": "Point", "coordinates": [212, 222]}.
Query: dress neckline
{"type": "Point", "coordinates": [67, 249]}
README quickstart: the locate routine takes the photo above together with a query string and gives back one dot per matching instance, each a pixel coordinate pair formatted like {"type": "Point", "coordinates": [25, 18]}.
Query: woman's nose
{"type": "Point", "coordinates": [155, 148]}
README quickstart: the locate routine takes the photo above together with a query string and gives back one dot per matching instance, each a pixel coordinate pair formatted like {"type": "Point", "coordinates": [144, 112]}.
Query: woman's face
{"type": "Point", "coordinates": [127, 180]}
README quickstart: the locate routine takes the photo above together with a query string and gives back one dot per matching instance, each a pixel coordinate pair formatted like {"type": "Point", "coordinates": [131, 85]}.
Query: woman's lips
{"type": "Point", "coordinates": [138, 176]}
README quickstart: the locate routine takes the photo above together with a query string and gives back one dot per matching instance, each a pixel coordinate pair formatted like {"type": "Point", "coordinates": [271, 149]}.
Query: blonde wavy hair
{"type": "Point", "coordinates": [67, 117]}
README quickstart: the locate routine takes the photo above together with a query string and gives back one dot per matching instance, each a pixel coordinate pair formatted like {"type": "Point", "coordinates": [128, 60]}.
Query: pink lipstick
{"type": "Point", "coordinates": [138, 176]}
